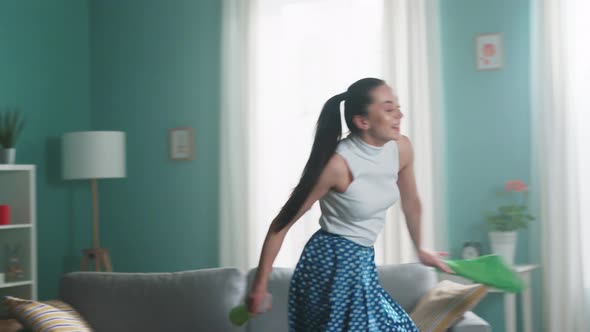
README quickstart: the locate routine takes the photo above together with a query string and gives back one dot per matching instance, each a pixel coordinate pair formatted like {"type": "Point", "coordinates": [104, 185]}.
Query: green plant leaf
{"type": "Point", "coordinates": [11, 126]}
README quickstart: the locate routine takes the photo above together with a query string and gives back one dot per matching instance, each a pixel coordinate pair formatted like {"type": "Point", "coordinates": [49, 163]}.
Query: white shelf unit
{"type": "Point", "coordinates": [18, 190]}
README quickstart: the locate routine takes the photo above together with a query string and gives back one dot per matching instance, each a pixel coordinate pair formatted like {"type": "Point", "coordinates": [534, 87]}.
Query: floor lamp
{"type": "Point", "coordinates": [93, 155]}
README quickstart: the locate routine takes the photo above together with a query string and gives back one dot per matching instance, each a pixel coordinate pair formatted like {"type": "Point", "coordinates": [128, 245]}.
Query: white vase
{"type": "Point", "coordinates": [504, 245]}
{"type": "Point", "coordinates": [7, 156]}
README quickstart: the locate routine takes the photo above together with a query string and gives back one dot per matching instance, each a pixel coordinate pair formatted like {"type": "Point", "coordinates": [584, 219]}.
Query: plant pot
{"type": "Point", "coordinates": [504, 245]}
{"type": "Point", "coordinates": [7, 156]}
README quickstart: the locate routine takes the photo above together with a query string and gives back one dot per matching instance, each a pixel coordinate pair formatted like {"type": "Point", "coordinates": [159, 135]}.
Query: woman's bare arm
{"type": "Point", "coordinates": [334, 176]}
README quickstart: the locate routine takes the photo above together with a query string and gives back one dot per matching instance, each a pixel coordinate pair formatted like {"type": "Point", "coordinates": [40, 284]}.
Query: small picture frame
{"type": "Point", "coordinates": [489, 51]}
{"type": "Point", "coordinates": [181, 143]}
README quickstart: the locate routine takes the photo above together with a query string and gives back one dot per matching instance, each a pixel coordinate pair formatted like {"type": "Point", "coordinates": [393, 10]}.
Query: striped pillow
{"type": "Point", "coordinates": [53, 316]}
{"type": "Point", "coordinates": [67, 308]}
{"type": "Point", "coordinates": [445, 304]}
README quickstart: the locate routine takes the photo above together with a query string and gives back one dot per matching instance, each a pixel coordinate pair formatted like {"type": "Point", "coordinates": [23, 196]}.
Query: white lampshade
{"type": "Point", "coordinates": [93, 155]}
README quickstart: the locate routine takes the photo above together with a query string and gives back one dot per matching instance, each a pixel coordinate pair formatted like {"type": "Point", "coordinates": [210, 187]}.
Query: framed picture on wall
{"type": "Point", "coordinates": [489, 51]}
{"type": "Point", "coordinates": [181, 143]}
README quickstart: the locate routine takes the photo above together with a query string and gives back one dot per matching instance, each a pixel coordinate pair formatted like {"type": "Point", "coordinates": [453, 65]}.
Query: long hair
{"type": "Point", "coordinates": [328, 133]}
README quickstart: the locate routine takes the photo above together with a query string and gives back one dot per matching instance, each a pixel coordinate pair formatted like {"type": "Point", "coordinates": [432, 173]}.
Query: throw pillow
{"type": "Point", "coordinates": [38, 316]}
{"type": "Point", "coordinates": [67, 308]}
{"type": "Point", "coordinates": [445, 304]}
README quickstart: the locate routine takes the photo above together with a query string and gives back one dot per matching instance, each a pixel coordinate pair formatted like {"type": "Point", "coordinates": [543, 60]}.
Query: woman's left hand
{"type": "Point", "coordinates": [429, 258]}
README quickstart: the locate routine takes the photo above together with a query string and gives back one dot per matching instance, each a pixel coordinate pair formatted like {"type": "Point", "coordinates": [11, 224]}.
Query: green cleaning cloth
{"type": "Point", "coordinates": [489, 270]}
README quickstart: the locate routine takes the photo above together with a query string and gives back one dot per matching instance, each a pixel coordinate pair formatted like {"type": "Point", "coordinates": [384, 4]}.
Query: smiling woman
{"type": "Point", "coordinates": [282, 60]}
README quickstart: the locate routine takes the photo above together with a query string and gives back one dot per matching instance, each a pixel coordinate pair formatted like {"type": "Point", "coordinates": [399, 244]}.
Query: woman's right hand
{"type": "Point", "coordinates": [256, 300]}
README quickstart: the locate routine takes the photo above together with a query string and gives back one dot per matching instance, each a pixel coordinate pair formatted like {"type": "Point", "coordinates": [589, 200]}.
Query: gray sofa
{"type": "Point", "coordinates": [200, 300]}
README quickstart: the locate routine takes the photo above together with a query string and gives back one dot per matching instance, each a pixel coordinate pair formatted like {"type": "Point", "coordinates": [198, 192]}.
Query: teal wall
{"type": "Point", "coordinates": [155, 65]}
{"type": "Point", "coordinates": [44, 70]}
{"type": "Point", "coordinates": [138, 66]}
{"type": "Point", "coordinates": [487, 123]}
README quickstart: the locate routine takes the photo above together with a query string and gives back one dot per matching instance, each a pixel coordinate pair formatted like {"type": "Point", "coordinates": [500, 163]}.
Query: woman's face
{"type": "Point", "coordinates": [383, 119]}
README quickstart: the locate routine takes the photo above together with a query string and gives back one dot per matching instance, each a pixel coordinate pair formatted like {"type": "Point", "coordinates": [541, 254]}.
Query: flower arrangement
{"type": "Point", "coordinates": [512, 216]}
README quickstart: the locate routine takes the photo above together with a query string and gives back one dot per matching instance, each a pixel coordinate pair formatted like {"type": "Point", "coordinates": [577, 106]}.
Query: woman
{"type": "Point", "coordinates": [356, 179]}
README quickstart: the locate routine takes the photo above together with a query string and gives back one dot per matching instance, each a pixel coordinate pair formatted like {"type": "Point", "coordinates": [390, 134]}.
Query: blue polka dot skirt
{"type": "Point", "coordinates": [335, 287]}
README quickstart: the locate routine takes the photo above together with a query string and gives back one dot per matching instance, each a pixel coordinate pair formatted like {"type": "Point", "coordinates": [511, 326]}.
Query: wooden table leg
{"type": "Point", "coordinates": [100, 257]}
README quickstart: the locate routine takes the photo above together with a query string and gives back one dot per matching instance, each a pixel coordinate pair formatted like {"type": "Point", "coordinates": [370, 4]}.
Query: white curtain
{"type": "Point", "coordinates": [560, 103]}
{"type": "Point", "coordinates": [282, 61]}
{"type": "Point", "coordinates": [235, 223]}
{"type": "Point", "coordinates": [411, 65]}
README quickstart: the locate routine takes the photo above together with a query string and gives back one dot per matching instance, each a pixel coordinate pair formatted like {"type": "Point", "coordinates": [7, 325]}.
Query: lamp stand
{"type": "Point", "coordinates": [100, 256]}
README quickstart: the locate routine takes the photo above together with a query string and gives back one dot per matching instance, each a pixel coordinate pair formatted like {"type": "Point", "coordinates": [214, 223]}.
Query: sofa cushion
{"type": "Point", "coordinates": [184, 301]}
{"type": "Point", "coordinates": [277, 318]}
{"type": "Point", "coordinates": [407, 283]}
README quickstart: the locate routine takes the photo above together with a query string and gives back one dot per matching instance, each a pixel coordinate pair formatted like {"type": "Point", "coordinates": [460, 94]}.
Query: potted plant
{"type": "Point", "coordinates": [11, 126]}
{"type": "Point", "coordinates": [508, 219]}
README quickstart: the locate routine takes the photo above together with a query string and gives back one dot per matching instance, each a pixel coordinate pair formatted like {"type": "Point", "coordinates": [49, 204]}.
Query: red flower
{"type": "Point", "coordinates": [515, 185]}
{"type": "Point", "coordinates": [488, 50]}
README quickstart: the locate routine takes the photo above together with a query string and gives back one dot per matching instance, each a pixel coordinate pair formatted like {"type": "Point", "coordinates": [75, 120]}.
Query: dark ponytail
{"type": "Point", "coordinates": [327, 135]}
